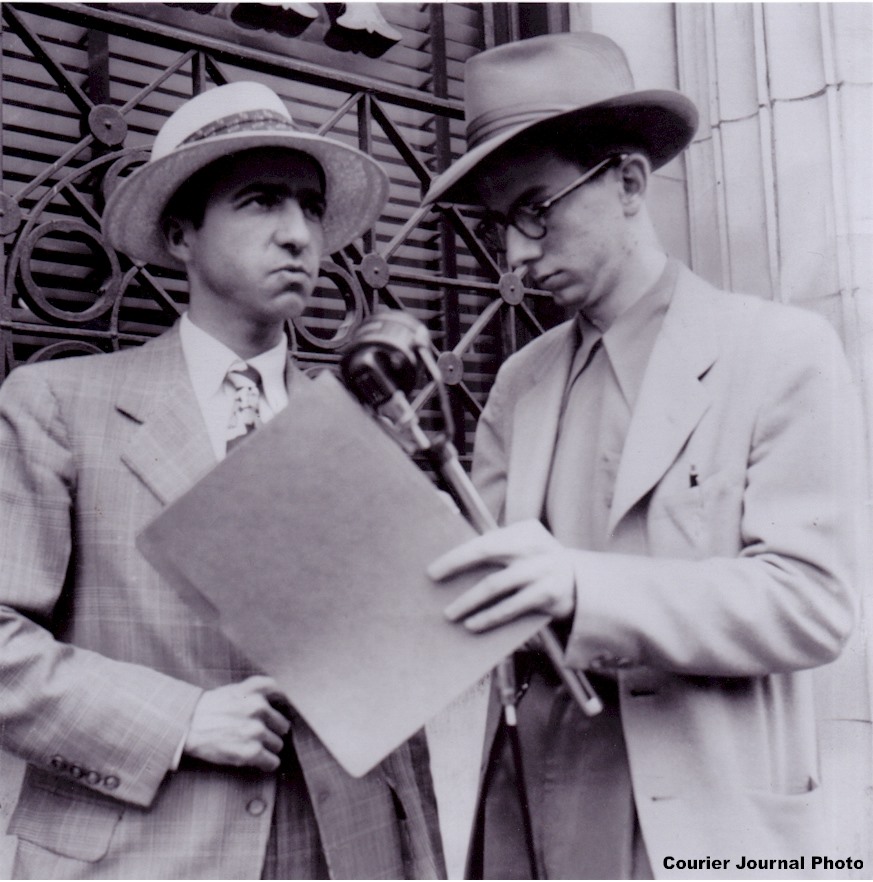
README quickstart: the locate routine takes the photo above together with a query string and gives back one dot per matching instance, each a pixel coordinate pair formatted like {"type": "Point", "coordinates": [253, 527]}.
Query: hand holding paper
{"type": "Point", "coordinates": [537, 576]}
{"type": "Point", "coordinates": [311, 542]}
{"type": "Point", "coordinates": [240, 724]}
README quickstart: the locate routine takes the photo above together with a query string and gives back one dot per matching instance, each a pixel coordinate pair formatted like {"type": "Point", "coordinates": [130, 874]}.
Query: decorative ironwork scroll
{"type": "Point", "coordinates": [84, 89]}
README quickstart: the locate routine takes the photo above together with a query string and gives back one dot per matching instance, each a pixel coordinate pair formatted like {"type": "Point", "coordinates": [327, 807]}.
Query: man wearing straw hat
{"type": "Point", "coordinates": [153, 748]}
{"type": "Point", "coordinates": [673, 467]}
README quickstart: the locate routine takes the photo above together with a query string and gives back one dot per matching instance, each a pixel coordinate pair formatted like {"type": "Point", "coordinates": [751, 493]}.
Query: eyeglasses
{"type": "Point", "coordinates": [530, 220]}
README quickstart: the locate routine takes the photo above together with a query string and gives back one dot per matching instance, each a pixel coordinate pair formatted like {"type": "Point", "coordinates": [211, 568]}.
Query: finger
{"type": "Point", "coordinates": [271, 742]}
{"type": "Point", "coordinates": [251, 741]}
{"type": "Point", "coordinates": [520, 539]}
{"type": "Point", "coordinates": [276, 721]}
{"type": "Point", "coordinates": [278, 700]}
{"type": "Point", "coordinates": [525, 602]}
{"type": "Point", "coordinates": [455, 561]}
{"type": "Point", "coordinates": [267, 688]}
{"type": "Point", "coordinates": [260, 684]}
{"type": "Point", "coordinates": [259, 709]}
{"type": "Point", "coordinates": [493, 547]}
{"type": "Point", "coordinates": [490, 589]}
{"type": "Point", "coordinates": [280, 703]}
{"type": "Point", "coordinates": [265, 761]}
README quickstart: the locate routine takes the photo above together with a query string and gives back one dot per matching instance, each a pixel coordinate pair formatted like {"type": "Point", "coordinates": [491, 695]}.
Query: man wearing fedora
{"type": "Point", "coordinates": [153, 748]}
{"type": "Point", "coordinates": [672, 468]}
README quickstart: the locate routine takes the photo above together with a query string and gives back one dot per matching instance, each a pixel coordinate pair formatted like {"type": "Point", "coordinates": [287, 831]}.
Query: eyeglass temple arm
{"type": "Point", "coordinates": [545, 206]}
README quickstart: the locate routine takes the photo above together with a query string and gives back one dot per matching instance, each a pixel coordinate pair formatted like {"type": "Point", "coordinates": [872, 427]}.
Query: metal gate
{"type": "Point", "coordinates": [84, 89]}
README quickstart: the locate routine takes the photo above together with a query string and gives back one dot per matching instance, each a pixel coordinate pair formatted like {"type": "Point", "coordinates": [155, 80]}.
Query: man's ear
{"type": "Point", "coordinates": [634, 175]}
{"type": "Point", "coordinates": [176, 236]}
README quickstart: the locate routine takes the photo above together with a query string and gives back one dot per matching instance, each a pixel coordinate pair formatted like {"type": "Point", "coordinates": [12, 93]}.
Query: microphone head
{"type": "Point", "coordinates": [393, 329]}
{"type": "Point", "coordinates": [383, 356]}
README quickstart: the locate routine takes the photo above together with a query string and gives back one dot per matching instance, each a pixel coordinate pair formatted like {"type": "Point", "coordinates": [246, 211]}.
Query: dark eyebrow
{"type": "Point", "coordinates": [255, 187]}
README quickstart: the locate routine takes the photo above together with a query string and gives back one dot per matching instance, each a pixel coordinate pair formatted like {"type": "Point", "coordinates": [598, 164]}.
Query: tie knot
{"type": "Point", "coordinates": [242, 375]}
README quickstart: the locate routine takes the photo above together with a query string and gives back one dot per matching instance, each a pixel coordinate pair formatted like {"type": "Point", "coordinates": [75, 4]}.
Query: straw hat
{"type": "Point", "coordinates": [561, 87]}
{"type": "Point", "coordinates": [226, 120]}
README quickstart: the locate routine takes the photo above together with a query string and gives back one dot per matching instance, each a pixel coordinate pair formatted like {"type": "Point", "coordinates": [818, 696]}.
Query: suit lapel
{"type": "Point", "coordinates": [672, 399]}
{"type": "Point", "coordinates": [535, 427]}
{"type": "Point", "coordinates": [171, 448]}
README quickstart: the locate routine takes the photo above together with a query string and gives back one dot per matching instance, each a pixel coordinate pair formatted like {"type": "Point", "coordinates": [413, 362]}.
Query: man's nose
{"type": "Point", "coordinates": [293, 228]}
{"type": "Point", "coordinates": [521, 250]}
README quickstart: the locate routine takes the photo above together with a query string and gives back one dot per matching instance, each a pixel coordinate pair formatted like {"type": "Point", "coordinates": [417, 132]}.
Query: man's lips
{"type": "Point", "coordinates": [296, 269]}
{"type": "Point", "coordinates": [541, 281]}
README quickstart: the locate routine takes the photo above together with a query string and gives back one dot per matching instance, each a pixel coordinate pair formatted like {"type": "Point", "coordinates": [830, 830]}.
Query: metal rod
{"type": "Point", "coordinates": [482, 519]}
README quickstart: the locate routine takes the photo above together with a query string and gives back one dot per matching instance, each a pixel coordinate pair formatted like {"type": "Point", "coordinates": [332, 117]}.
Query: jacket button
{"type": "Point", "coordinates": [58, 762]}
{"type": "Point", "coordinates": [77, 771]}
{"type": "Point", "coordinates": [93, 778]}
{"type": "Point", "coordinates": [110, 782]}
{"type": "Point", "coordinates": [256, 806]}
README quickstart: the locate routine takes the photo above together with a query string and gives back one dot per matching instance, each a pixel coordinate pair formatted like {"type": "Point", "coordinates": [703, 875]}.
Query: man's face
{"type": "Point", "coordinates": [254, 260]}
{"type": "Point", "coordinates": [579, 258]}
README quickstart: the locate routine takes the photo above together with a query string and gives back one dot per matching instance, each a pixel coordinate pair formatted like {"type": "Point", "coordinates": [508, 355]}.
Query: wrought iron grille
{"type": "Point", "coordinates": [84, 89]}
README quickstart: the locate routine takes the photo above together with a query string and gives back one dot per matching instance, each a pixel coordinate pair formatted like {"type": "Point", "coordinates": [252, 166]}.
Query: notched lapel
{"type": "Point", "coordinates": [672, 399]}
{"type": "Point", "coordinates": [170, 450]}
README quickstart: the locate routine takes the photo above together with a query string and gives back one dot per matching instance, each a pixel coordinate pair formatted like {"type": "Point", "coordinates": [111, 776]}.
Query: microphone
{"type": "Point", "coordinates": [384, 356]}
{"type": "Point", "coordinates": [381, 367]}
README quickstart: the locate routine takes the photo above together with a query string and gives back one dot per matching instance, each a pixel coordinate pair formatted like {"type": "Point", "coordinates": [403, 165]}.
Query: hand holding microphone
{"type": "Point", "coordinates": [537, 576]}
{"type": "Point", "coordinates": [381, 368]}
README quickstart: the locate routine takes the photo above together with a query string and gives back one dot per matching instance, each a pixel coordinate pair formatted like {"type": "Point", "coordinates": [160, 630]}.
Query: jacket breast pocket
{"type": "Point", "coordinates": [65, 818]}
{"type": "Point", "coordinates": [699, 519]}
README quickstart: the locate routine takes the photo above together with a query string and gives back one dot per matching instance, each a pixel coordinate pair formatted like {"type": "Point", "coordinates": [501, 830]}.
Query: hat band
{"type": "Point", "coordinates": [244, 121]}
{"type": "Point", "coordinates": [489, 125]}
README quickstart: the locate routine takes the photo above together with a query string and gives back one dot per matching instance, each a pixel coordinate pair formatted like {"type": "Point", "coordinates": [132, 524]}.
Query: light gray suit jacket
{"type": "Point", "coordinates": [101, 662]}
{"type": "Point", "coordinates": [717, 591]}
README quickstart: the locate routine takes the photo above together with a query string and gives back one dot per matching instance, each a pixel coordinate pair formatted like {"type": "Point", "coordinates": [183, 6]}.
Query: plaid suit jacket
{"type": "Point", "coordinates": [102, 663]}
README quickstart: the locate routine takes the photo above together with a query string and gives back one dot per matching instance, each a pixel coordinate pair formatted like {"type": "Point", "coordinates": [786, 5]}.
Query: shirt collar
{"type": "Point", "coordinates": [271, 365]}
{"type": "Point", "coordinates": [630, 339]}
{"type": "Point", "coordinates": [209, 360]}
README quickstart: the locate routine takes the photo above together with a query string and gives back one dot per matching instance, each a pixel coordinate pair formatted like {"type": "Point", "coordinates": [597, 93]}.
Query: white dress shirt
{"type": "Point", "coordinates": [208, 361]}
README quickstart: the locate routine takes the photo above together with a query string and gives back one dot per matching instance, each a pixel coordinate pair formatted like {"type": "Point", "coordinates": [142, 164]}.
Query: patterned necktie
{"type": "Point", "coordinates": [244, 417]}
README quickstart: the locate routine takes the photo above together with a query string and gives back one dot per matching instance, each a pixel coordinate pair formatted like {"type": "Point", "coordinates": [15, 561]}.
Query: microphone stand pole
{"type": "Point", "coordinates": [443, 456]}
{"type": "Point", "coordinates": [387, 353]}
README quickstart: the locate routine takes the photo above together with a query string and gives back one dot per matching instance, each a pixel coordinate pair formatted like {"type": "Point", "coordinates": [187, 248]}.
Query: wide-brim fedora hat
{"type": "Point", "coordinates": [574, 86]}
{"type": "Point", "coordinates": [223, 121]}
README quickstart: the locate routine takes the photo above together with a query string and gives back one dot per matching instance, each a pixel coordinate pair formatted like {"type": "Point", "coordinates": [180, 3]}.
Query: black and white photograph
{"type": "Point", "coordinates": [436, 440]}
